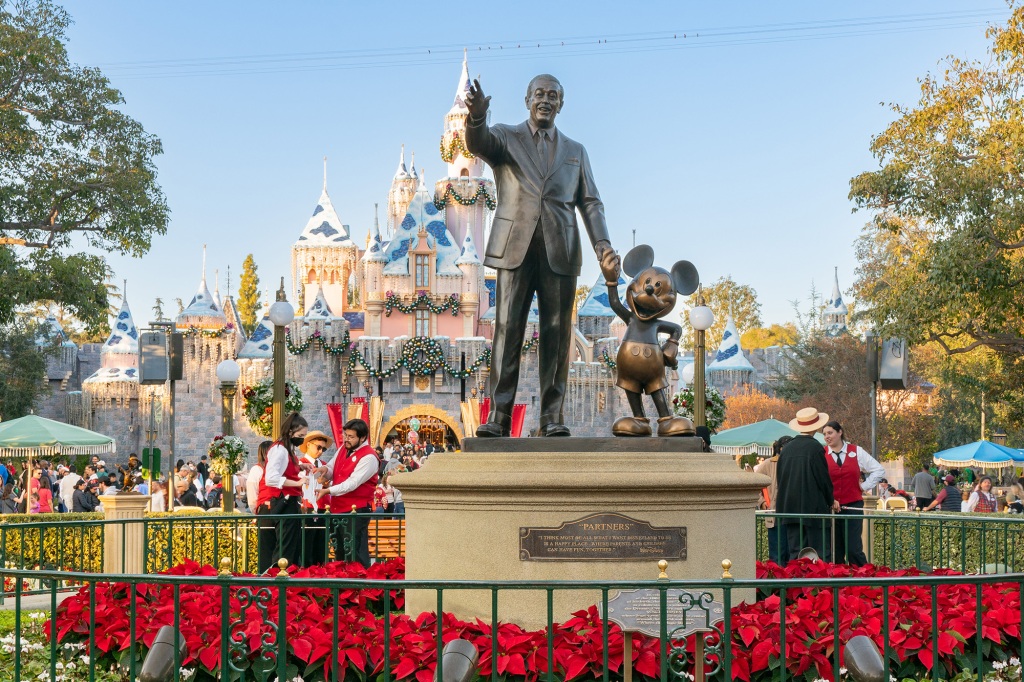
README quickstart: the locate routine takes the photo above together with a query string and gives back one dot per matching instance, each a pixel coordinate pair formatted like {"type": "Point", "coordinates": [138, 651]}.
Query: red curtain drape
{"type": "Point", "coordinates": [518, 417]}
{"type": "Point", "coordinates": [485, 410]}
{"type": "Point", "coordinates": [337, 419]}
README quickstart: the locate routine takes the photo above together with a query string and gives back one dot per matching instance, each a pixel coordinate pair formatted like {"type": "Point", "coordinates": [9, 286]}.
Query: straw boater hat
{"type": "Point", "coordinates": [808, 420]}
{"type": "Point", "coordinates": [316, 435]}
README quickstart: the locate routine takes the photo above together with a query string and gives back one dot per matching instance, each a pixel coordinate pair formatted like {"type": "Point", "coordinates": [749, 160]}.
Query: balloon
{"type": "Point", "coordinates": [413, 437]}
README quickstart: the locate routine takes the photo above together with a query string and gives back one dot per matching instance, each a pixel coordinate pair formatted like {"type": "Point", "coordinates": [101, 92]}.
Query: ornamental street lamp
{"type": "Point", "coordinates": [701, 319]}
{"type": "Point", "coordinates": [281, 315]}
{"type": "Point", "coordinates": [228, 372]}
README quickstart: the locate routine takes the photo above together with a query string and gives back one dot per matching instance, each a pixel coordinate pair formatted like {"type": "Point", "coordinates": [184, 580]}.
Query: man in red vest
{"type": "Point", "coordinates": [353, 477]}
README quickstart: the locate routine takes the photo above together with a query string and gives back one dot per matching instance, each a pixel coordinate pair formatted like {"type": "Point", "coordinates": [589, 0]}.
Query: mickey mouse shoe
{"type": "Point", "coordinates": [675, 426]}
{"type": "Point", "coordinates": [631, 426]}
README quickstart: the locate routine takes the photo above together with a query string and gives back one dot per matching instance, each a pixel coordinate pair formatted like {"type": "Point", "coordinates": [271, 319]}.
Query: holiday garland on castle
{"type": "Point", "coordinates": [714, 406]}
{"type": "Point", "coordinates": [258, 404]}
{"type": "Point", "coordinates": [422, 356]}
{"type": "Point", "coordinates": [227, 455]}
{"type": "Point", "coordinates": [607, 360]}
{"type": "Point", "coordinates": [317, 338]}
{"type": "Point", "coordinates": [392, 301]}
{"type": "Point", "coordinates": [208, 333]}
{"type": "Point", "coordinates": [481, 191]}
{"type": "Point", "coordinates": [452, 149]}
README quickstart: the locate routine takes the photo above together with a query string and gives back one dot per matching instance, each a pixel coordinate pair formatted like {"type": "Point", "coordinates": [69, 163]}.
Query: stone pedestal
{"type": "Point", "coordinates": [124, 544]}
{"type": "Point", "coordinates": [467, 513]}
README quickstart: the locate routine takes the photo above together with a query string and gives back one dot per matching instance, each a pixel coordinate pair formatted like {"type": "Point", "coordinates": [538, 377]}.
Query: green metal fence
{"type": "Point", "coordinates": [978, 543]}
{"type": "Point", "coordinates": [256, 619]}
{"type": "Point", "coordinates": [78, 546]}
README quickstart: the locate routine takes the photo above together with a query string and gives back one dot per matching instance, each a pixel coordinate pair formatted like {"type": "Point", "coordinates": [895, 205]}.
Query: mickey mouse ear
{"type": "Point", "coordinates": [637, 260]}
{"type": "Point", "coordinates": [685, 277]}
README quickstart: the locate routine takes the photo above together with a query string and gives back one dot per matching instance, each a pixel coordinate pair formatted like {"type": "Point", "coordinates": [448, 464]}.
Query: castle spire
{"type": "Point", "coordinates": [412, 166]}
{"type": "Point", "coordinates": [402, 172]}
{"type": "Point", "coordinates": [204, 264]}
{"type": "Point", "coordinates": [325, 174]}
{"type": "Point", "coordinates": [463, 87]}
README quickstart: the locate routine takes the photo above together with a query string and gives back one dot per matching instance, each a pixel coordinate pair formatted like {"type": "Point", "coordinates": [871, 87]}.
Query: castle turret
{"type": "Point", "coordinates": [834, 315]}
{"type": "Point", "coordinates": [403, 188]}
{"type": "Point", "coordinates": [117, 379]}
{"type": "Point", "coordinates": [324, 254]}
{"type": "Point", "coordinates": [472, 284]}
{"type": "Point", "coordinates": [730, 369]}
{"type": "Point", "coordinates": [202, 312]}
{"type": "Point", "coordinates": [373, 279]}
{"type": "Point", "coordinates": [466, 195]}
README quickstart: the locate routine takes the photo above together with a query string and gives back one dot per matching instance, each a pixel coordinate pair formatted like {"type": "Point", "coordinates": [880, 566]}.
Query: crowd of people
{"type": "Point", "coordinates": [59, 488]}
{"type": "Point", "coordinates": [818, 491]}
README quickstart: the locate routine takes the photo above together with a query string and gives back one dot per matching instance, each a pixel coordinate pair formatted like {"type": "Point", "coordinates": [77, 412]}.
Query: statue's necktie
{"type": "Point", "coordinates": [544, 149]}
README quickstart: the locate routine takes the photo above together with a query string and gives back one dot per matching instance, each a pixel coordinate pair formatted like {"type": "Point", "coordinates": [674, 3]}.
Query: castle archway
{"type": "Point", "coordinates": [435, 424]}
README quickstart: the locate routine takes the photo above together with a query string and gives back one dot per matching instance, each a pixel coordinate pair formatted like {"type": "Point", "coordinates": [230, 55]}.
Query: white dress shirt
{"type": "Point", "coordinates": [869, 466]}
{"type": "Point", "coordinates": [252, 485]}
{"type": "Point", "coordinates": [366, 468]}
{"type": "Point", "coordinates": [277, 462]}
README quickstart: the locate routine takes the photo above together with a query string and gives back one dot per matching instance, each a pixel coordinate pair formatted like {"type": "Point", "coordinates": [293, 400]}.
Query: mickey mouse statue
{"type": "Point", "coordinates": [642, 360]}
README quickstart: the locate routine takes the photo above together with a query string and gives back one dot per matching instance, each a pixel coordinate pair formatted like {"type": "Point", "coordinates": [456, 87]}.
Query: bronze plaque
{"type": "Point", "coordinates": [685, 612]}
{"type": "Point", "coordinates": [602, 537]}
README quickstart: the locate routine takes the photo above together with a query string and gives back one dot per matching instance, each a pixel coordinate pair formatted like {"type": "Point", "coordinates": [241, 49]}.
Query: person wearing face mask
{"type": "Point", "coordinates": [280, 491]}
{"type": "Point", "coordinates": [353, 478]}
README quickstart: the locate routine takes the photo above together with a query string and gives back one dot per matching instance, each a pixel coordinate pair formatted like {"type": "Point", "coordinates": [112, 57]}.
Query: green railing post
{"type": "Point", "coordinates": [604, 633]}
{"type": "Point", "coordinates": [17, 626]}
{"type": "Point", "coordinates": [935, 632]}
{"type": "Point", "coordinates": [132, 612]}
{"type": "Point", "coordinates": [494, 632]}
{"type": "Point", "coordinates": [440, 634]}
{"type": "Point", "coordinates": [551, 637]}
{"type": "Point", "coordinates": [225, 619]}
{"type": "Point", "coordinates": [53, 630]}
{"type": "Point", "coordinates": [282, 619]}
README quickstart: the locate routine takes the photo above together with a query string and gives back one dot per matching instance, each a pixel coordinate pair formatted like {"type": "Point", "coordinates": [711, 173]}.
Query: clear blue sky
{"type": "Point", "coordinates": [732, 148]}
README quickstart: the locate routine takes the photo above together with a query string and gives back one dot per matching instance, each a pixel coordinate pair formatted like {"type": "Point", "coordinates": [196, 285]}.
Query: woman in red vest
{"type": "Point", "coordinates": [280, 491]}
{"type": "Point", "coordinates": [353, 476]}
{"type": "Point", "coordinates": [982, 500]}
{"type": "Point", "coordinates": [846, 462]}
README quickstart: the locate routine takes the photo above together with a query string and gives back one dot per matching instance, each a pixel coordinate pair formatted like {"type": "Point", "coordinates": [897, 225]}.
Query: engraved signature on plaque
{"type": "Point", "coordinates": [602, 537]}
{"type": "Point", "coordinates": [685, 612]}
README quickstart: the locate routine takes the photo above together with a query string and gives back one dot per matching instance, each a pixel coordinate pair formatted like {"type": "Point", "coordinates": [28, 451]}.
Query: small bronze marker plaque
{"type": "Point", "coordinates": [685, 612]}
{"type": "Point", "coordinates": [602, 537]}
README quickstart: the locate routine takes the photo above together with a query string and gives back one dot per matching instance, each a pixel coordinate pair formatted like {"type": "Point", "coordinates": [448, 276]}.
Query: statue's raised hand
{"type": "Point", "coordinates": [476, 101]}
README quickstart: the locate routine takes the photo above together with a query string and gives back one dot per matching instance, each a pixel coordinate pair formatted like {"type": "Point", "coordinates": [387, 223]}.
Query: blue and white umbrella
{"type": "Point", "coordinates": [983, 453]}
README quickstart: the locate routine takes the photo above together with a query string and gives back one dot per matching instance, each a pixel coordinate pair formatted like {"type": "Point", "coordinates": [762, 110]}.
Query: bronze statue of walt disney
{"type": "Point", "coordinates": [542, 178]}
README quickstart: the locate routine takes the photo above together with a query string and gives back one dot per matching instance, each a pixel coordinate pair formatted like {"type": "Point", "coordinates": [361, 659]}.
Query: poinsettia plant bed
{"type": "Point", "coordinates": [577, 644]}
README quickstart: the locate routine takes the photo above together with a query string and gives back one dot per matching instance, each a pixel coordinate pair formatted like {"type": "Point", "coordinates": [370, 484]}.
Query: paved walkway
{"type": "Point", "coordinates": [33, 602]}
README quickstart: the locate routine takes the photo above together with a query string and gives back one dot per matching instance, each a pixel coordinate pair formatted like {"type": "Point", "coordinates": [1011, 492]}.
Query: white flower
{"type": "Point", "coordinates": [1014, 660]}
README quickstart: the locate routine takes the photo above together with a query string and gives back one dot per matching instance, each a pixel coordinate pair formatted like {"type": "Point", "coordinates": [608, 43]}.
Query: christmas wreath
{"type": "Point", "coordinates": [714, 406]}
{"type": "Point", "coordinates": [258, 404]}
{"type": "Point", "coordinates": [227, 455]}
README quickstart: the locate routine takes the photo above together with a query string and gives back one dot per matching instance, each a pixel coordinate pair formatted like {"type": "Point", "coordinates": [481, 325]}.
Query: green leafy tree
{"type": "Point", "coordinates": [249, 295]}
{"type": "Point", "coordinates": [774, 335]}
{"type": "Point", "coordinates": [24, 350]}
{"type": "Point", "coordinates": [941, 259]}
{"type": "Point", "coordinates": [725, 297]}
{"type": "Point", "coordinates": [74, 170]}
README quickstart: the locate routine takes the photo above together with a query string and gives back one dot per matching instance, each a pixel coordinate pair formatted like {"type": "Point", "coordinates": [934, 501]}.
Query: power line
{"type": "Point", "coordinates": [576, 46]}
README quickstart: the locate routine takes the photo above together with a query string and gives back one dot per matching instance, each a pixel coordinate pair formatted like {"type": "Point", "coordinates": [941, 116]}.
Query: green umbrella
{"type": "Point", "coordinates": [35, 436]}
{"type": "Point", "coordinates": [757, 437]}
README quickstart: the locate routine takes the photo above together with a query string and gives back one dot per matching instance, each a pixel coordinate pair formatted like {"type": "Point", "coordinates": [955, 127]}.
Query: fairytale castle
{"type": "Point", "coordinates": [393, 325]}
